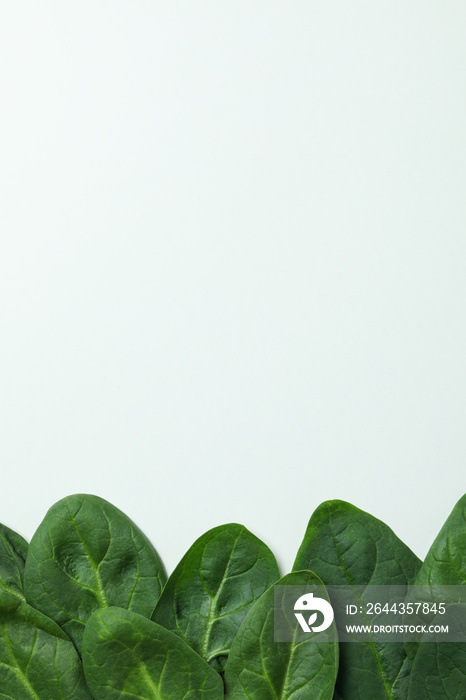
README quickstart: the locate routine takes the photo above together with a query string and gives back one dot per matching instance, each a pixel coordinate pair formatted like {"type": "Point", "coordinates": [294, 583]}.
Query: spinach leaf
{"type": "Point", "coordinates": [37, 660]}
{"type": "Point", "coordinates": [212, 588]}
{"type": "Point", "coordinates": [438, 670]}
{"type": "Point", "coordinates": [260, 668]}
{"type": "Point", "coordinates": [126, 655]}
{"type": "Point", "coordinates": [87, 554]}
{"type": "Point", "coordinates": [13, 550]}
{"type": "Point", "coordinates": [346, 546]}
{"type": "Point", "coordinates": [445, 563]}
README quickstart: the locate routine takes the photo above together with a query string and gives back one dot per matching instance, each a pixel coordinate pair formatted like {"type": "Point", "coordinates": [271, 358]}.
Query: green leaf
{"type": "Point", "coordinates": [260, 668]}
{"type": "Point", "coordinates": [37, 659]}
{"type": "Point", "coordinates": [127, 656]}
{"type": "Point", "coordinates": [445, 563]}
{"type": "Point", "coordinates": [345, 546]}
{"type": "Point", "coordinates": [208, 595]}
{"type": "Point", "coordinates": [438, 670]}
{"type": "Point", "coordinates": [85, 555]}
{"type": "Point", "coordinates": [13, 550]}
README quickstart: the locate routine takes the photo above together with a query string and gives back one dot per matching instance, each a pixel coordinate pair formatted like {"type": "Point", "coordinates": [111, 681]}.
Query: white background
{"type": "Point", "coordinates": [232, 266]}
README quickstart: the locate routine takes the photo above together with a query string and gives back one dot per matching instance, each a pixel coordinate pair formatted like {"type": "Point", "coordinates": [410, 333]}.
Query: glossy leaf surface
{"type": "Point", "coordinates": [208, 595]}
{"type": "Point", "coordinates": [346, 546]}
{"type": "Point", "coordinates": [438, 668]}
{"type": "Point", "coordinates": [85, 555]}
{"type": "Point", "coordinates": [13, 550]}
{"type": "Point", "coordinates": [260, 668]}
{"type": "Point", "coordinates": [445, 562]}
{"type": "Point", "coordinates": [37, 659]}
{"type": "Point", "coordinates": [127, 656]}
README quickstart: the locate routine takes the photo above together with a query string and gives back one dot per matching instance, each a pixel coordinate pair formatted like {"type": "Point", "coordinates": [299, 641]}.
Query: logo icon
{"type": "Point", "coordinates": [313, 605]}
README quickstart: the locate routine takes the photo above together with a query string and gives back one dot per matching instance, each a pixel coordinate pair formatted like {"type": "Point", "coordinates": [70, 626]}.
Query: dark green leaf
{"type": "Point", "coordinates": [260, 668]}
{"type": "Point", "coordinates": [438, 670]}
{"type": "Point", "coordinates": [445, 563]}
{"type": "Point", "coordinates": [345, 546]}
{"type": "Point", "coordinates": [87, 554]}
{"type": "Point", "coordinates": [37, 660]}
{"type": "Point", "coordinates": [127, 656]}
{"type": "Point", "coordinates": [13, 550]}
{"type": "Point", "coordinates": [212, 588]}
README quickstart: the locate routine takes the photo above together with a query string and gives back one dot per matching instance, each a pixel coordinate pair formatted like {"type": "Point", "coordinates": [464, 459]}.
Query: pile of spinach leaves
{"type": "Point", "coordinates": [87, 612]}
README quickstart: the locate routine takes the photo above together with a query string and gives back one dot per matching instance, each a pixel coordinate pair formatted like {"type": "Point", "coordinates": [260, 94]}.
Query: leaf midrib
{"type": "Point", "coordinates": [211, 618]}
{"type": "Point", "coordinates": [16, 667]}
{"type": "Point", "coordinates": [372, 644]}
{"type": "Point", "coordinates": [95, 568]}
